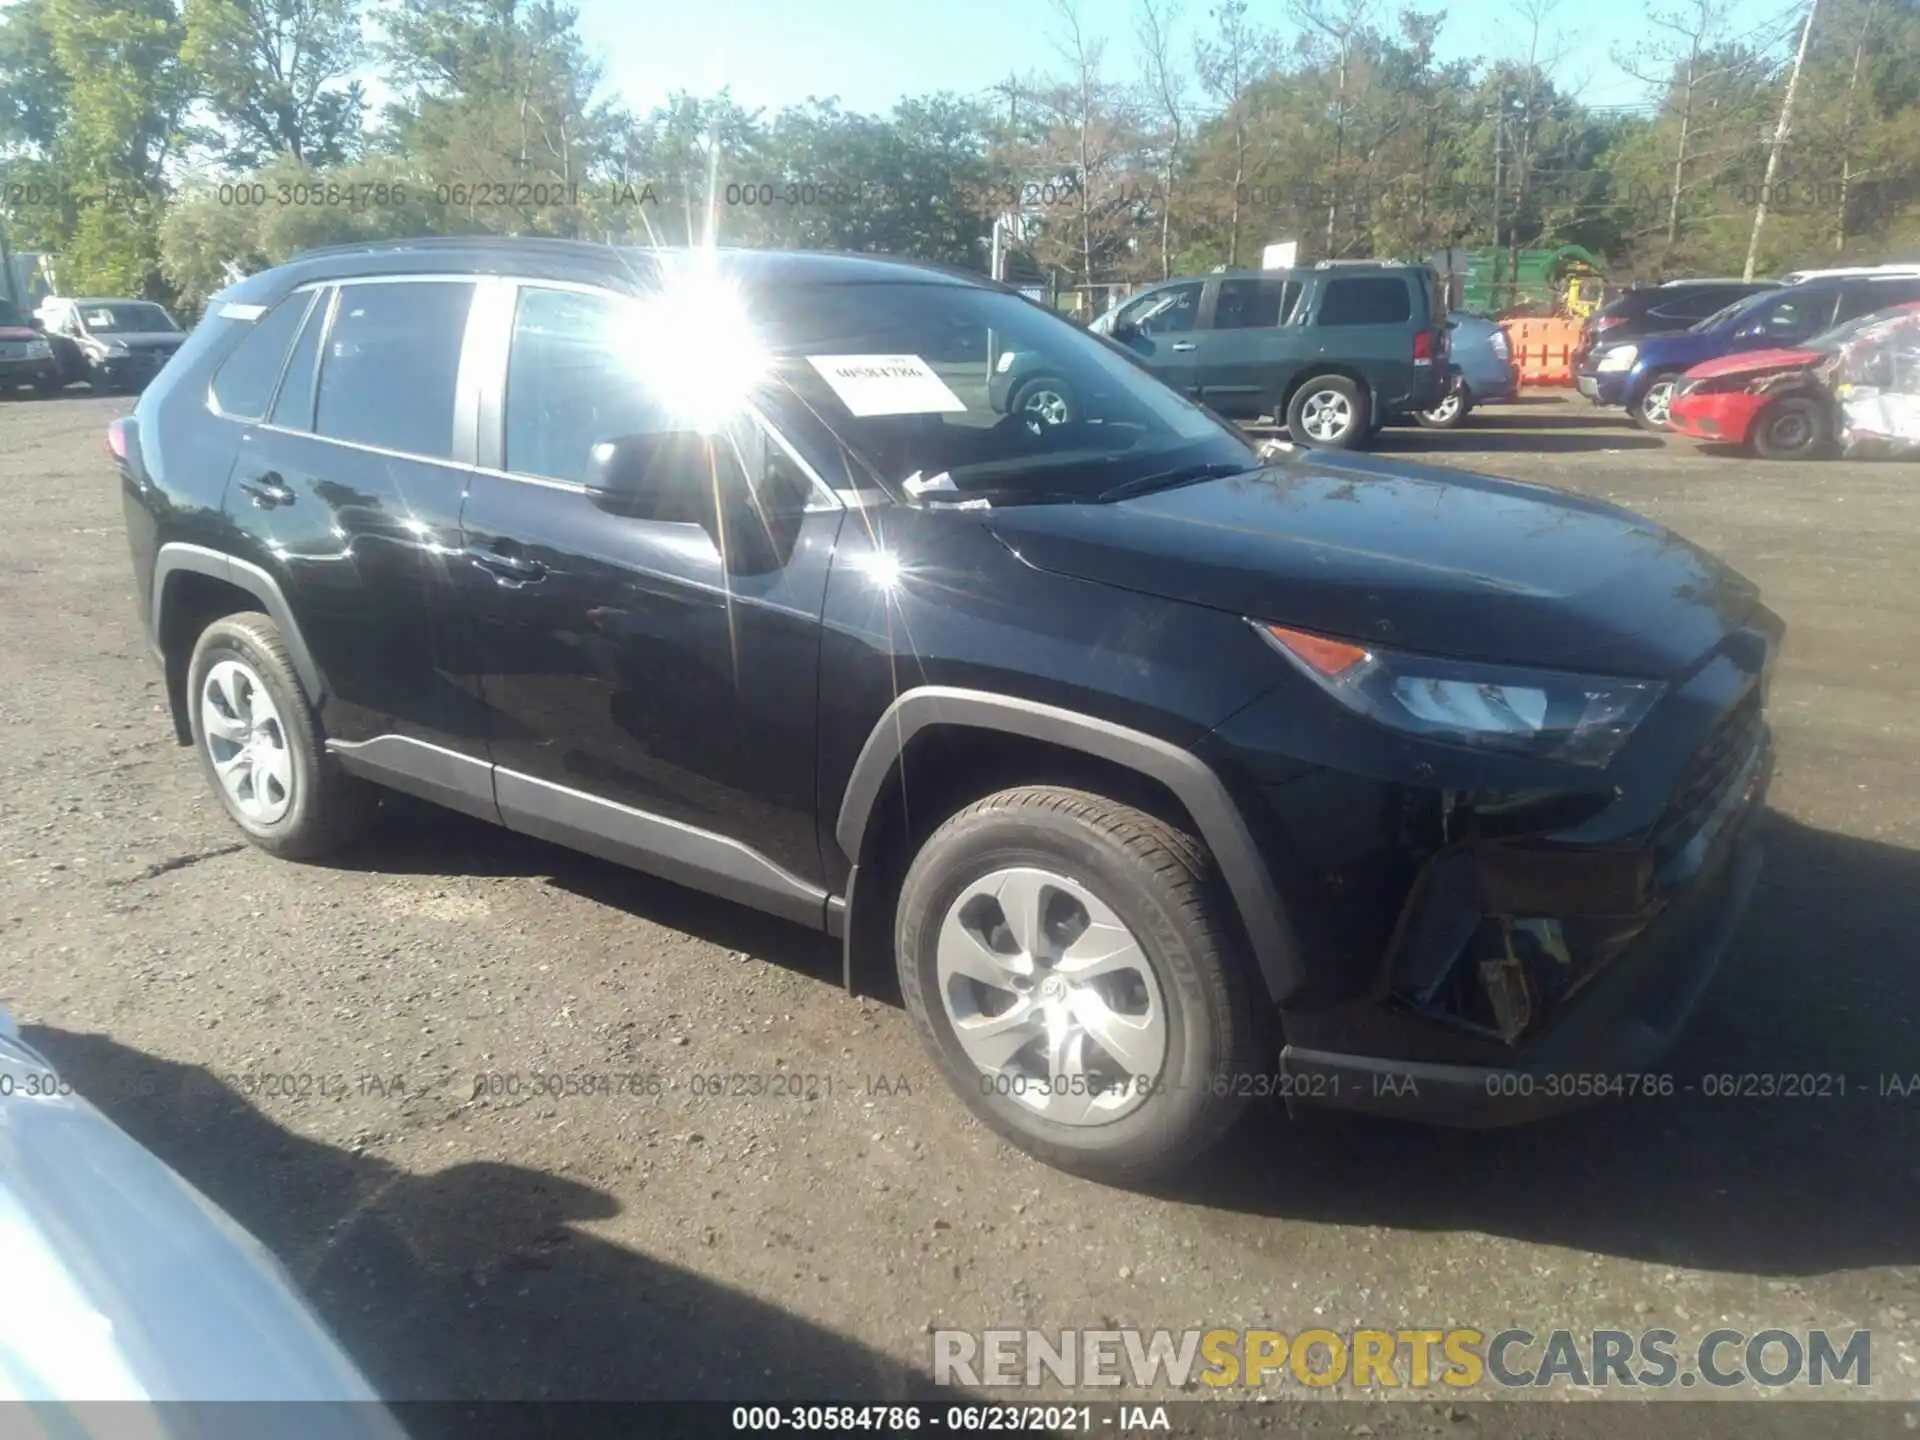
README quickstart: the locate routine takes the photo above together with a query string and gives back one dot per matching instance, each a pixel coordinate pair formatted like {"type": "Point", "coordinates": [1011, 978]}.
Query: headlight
{"type": "Point", "coordinates": [1622, 358]}
{"type": "Point", "coordinates": [1548, 714]}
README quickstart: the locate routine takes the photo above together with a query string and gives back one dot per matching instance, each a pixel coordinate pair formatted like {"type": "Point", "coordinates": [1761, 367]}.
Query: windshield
{"type": "Point", "coordinates": [1839, 334]}
{"type": "Point", "coordinates": [125, 317]}
{"type": "Point", "coordinates": [1727, 312]}
{"type": "Point", "coordinates": [955, 392]}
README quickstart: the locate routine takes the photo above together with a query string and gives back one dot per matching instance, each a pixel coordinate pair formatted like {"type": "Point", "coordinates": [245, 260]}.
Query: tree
{"type": "Point", "coordinates": [279, 76]}
{"type": "Point", "coordinates": [1166, 95]}
{"type": "Point", "coordinates": [1228, 65]}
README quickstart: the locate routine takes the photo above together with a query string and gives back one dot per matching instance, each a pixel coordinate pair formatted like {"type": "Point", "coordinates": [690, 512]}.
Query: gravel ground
{"type": "Point", "coordinates": [683, 1246]}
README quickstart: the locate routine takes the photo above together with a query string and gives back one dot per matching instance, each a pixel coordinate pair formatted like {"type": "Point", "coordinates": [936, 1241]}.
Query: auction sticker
{"type": "Point", "coordinates": [886, 384]}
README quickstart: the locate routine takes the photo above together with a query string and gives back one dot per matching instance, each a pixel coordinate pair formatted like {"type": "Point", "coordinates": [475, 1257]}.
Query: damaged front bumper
{"type": "Point", "coordinates": [1525, 978]}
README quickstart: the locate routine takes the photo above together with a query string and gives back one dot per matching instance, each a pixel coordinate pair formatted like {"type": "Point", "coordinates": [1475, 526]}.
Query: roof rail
{"type": "Point", "coordinates": [442, 242]}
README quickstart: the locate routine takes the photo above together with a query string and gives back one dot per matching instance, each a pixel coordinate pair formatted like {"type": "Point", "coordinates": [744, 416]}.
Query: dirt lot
{"type": "Point", "coordinates": [608, 1246]}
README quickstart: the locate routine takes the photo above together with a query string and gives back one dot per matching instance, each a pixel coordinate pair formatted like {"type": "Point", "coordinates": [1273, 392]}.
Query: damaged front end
{"type": "Point", "coordinates": [1874, 378]}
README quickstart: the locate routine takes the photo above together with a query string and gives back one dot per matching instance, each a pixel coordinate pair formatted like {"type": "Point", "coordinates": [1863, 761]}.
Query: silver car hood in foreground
{"type": "Point", "coordinates": [121, 1282]}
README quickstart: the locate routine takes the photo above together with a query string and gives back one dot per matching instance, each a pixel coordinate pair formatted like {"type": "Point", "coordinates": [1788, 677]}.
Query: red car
{"type": "Point", "coordinates": [1769, 401]}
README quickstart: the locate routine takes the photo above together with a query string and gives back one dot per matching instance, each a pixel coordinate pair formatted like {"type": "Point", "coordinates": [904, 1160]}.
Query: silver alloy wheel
{"type": "Point", "coordinates": [1658, 401]}
{"type": "Point", "coordinates": [1327, 415]}
{"type": "Point", "coordinates": [1051, 996]}
{"type": "Point", "coordinates": [1445, 410]}
{"type": "Point", "coordinates": [246, 741]}
{"type": "Point", "coordinates": [1049, 406]}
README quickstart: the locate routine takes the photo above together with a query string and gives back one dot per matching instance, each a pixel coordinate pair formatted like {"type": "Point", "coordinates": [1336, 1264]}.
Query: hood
{"type": "Point", "coordinates": [1754, 362]}
{"type": "Point", "coordinates": [1415, 557]}
{"type": "Point", "coordinates": [1676, 347]}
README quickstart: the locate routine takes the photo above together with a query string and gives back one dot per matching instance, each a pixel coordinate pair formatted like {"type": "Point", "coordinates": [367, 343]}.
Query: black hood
{"type": "Point", "coordinates": [167, 340]}
{"type": "Point", "coordinates": [1407, 556]}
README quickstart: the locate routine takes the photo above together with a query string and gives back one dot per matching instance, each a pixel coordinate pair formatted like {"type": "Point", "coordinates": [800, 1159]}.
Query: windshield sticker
{"type": "Point", "coordinates": [886, 384]}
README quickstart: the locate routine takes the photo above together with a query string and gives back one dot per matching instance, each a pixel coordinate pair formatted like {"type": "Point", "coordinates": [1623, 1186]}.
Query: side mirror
{"type": "Point", "coordinates": [661, 476]}
{"type": "Point", "coordinates": [1123, 330]}
{"type": "Point", "coordinates": [692, 477]}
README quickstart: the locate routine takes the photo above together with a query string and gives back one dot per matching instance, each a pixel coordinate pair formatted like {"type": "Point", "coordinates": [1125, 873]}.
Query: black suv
{"type": "Point", "coordinates": [1168, 773]}
{"type": "Point", "coordinates": [1649, 309]}
{"type": "Point", "coordinates": [1331, 352]}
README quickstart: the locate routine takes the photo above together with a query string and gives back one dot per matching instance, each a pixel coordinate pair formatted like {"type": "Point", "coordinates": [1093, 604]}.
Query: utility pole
{"type": "Point", "coordinates": [1499, 157]}
{"type": "Point", "coordinates": [1780, 133]}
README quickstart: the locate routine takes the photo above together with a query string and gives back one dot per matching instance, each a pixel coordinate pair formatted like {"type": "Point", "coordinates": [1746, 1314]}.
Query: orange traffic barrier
{"type": "Point", "coordinates": [1543, 349]}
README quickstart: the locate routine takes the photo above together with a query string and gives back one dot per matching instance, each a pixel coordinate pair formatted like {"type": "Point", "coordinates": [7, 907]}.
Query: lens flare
{"type": "Point", "coordinates": [693, 344]}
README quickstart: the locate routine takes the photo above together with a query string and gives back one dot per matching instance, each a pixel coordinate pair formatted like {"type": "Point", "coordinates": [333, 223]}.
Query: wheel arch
{"type": "Point", "coordinates": [194, 586]}
{"type": "Point", "coordinates": [1153, 771]}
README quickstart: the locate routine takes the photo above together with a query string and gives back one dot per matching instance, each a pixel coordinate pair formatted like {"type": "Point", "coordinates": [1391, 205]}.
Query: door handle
{"type": "Point", "coordinates": [268, 490]}
{"type": "Point", "coordinates": [508, 567]}
{"type": "Point", "coordinates": [1182, 347]}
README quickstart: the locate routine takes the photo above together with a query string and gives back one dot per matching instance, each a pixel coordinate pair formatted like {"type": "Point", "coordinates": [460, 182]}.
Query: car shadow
{"type": "Point", "coordinates": [473, 1282]}
{"type": "Point", "coordinates": [1822, 980]}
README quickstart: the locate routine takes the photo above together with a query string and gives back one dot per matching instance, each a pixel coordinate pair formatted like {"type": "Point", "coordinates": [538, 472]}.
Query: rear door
{"type": "Point", "coordinates": [356, 478]}
{"type": "Point", "coordinates": [1164, 322]}
{"type": "Point", "coordinates": [1248, 354]}
{"type": "Point", "coordinates": [1367, 323]}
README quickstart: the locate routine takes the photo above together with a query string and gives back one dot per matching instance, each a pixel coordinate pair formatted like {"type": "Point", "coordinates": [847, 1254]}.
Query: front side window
{"type": "Point", "coordinates": [392, 366]}
{"type": "Point", "coordinates": [1789, 316]}
{"type": "Point", "coordinates": [1165, 312]}
{"type": "Point", "coordinates": [244, 383]}
{"type": "Point", "coordinates": [1366, 300]}
{"type": "Point", "coordinates": [1254, 304]}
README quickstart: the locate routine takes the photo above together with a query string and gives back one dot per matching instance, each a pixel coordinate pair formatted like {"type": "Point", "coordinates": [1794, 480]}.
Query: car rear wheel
{"type": "Point", "coordinates": [1329, 412]}
{"type": "Point", "coordinates": [1066, 961]}
{"type": "Point", "coordinates": [1793, 427]}
{"type": "Point", "coordinates": [261, 746]}
{"type": "Point", "coordinates": [1045, 402]}
{"type": "Point", "coordinates": [1650, 411]}
{"type": "Point", "coordinates": [1449, 414]}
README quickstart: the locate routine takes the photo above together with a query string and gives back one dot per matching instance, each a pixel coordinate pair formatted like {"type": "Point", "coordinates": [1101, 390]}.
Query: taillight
{"type": "Point", "coordinates": [1423, 347]}
{"type": "Point", "coordinates": [117, 436]}
{"type": "Point", "coordinates": [1607, 322]}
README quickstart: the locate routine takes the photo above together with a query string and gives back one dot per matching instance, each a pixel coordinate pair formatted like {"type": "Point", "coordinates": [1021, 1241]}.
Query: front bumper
{"type": "Point", "coordinates": [38, 370]}
{"type": "Point", "coordinates": [1607, 389]}
{"type": "Point", "coordinates": [1726, 417]}
{"type": "Point", "coordinates": [1642, 932]}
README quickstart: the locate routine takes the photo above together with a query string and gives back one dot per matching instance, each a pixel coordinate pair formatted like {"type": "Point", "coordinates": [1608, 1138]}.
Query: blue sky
{"type": "Point", "coordinates": [870, 53]}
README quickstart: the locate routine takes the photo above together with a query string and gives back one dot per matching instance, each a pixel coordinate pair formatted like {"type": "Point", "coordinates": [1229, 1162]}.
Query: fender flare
{"type": "Point", "coordinates": [1215, 815]}
{"type": "Point", "coordinates": [244, 575]}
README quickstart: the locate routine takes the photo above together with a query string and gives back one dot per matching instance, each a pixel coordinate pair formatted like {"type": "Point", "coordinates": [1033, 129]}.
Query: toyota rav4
{"type": "Point", "coordinates": [1169, 772]}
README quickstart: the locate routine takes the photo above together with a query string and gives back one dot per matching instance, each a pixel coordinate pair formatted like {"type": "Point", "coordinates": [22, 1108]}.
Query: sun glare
{"type": "Point", "coordinates": [694, 344]}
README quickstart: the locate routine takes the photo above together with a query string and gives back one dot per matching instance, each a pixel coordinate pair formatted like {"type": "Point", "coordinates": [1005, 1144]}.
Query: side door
{"type": "Point", "coordinates": [649, 652]}
{"type": "Point", "coordinates": [1366, 322]}
{"type": "Point", "coordinates": [1159, 327]}
{"type": "Point", "coordinates": [355, 482]}
{"type": "Point", "coordinates": [1249, 354]}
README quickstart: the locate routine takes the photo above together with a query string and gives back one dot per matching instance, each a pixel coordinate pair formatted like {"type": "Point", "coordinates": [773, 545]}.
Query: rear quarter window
{"type": "Point", "coordinates": [243, 386]}
{"type": "Point", "coordinates": [1366, 300]}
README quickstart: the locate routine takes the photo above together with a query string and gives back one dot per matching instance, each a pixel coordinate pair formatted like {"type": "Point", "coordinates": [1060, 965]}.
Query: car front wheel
{"type": "Point", "coordinates": [260, 743]}
{"type": "Point", "coordinates": [1065, 960]}
{"type": "Point", "coordinates": [1650, 411]}
{"type": "Point", "coordinates": [1045, 403]}
{"type": "Point", "coordinates": [1791, 428]}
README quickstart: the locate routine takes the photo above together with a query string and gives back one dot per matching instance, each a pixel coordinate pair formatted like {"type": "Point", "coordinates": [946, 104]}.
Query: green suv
{"type": "Point", "coordinates": [1329, 350]}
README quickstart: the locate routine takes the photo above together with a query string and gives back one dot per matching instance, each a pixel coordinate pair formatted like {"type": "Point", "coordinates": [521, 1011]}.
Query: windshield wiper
{"type": "Point", "coordinates": [1168, 479]}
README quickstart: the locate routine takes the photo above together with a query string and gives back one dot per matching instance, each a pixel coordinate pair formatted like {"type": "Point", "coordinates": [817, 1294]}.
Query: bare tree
{"type": "Point", "coordinates": [1780, 133]}
{"type": "Point", "coordinates": [1091, 116]}
{"type": "Point", "coordinates": [1343, 24]}
{"type": "Point", "coordinates": [1167, 91]}
{"type": "Point", "coordinates": [1238, 54]}
{"type": "Point", "coordinates": [1846, 130]}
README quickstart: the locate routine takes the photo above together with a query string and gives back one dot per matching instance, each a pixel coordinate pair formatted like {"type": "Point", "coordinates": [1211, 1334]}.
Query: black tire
{"type": "Point", "coordinates": [1448, 415]}
{"type": "Point", "coordinates": [48, 386]}
{"type": "Point", "coordinates": [1041, 388]}
{"type": "Point", "coordinates": [1648, 409]}
{"type": "Point", "coordinates": [1794, 427]}
{"type": "Point", "coordinates": [1312, 395]}
{"type": "Point", "coordinates": [329, 807]}
{"type": "Point", "coordinates": [1161, 884]}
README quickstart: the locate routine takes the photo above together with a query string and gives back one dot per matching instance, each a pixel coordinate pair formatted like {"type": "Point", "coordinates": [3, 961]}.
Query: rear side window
{"type": "Point", "coordinates": [1254, 304]}
{"type": "Point", "coordinates": [1866, 299]}
{"type": "Point", "coordinates": [1366, 300]}
{"type": "Point", "coordinates": [244, 384]}
{"type": "Point", "coordinates": [293, 406]}
{"type": "Point", "coordinates": [392, 365]}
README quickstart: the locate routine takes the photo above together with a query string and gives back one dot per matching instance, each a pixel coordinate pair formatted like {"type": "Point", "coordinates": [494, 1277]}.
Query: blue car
{"type": "Point", "coordinates": [1641, 373]}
